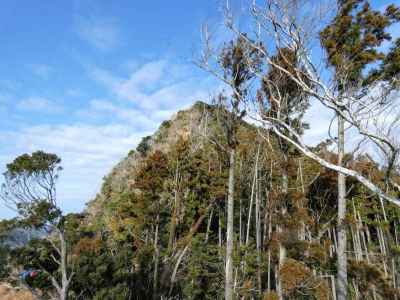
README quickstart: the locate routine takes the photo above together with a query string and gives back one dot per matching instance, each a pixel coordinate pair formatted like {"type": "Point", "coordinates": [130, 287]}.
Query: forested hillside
{"type": "Point", "coordinates": [158, 227]}
{"type": "Point", "coordinates": [226, 200]}
{"type": "Point", "coordinates": [166, 203]}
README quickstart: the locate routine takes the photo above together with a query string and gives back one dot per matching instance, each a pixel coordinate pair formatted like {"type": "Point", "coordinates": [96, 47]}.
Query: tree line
{"type": "Point", "coordinates": [238, 211]}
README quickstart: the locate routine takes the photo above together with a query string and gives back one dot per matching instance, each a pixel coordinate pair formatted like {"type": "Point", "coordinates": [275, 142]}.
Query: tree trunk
{"type": "Point", "coordinates": [282, 248]}
{"type": "Point", "coordinates": [269, 255]}
{"type": "Point", "coordinates": [220, 231]}
{"type": "Point", "coordinates": [253, 186]}
{"type": "Point", "coordinates": [240, 222]}
{"type": "Point", "coordinates": [229, 228]}
{"type": "Point", "coordinates": [63, 292]}
{"type": "Point", "coordinates": [156, 260]}
{"type": "Point", "coordinates": [209, 225]}
{"type": "Point", "coordinates": [175, 211]}
{"type": "Point", "coordinates": [342, 238]}
{"type": "Point", "coordinates": [258, 236]}
{"type": "Point", "coordinates": [240, 207]}
{"type": "Point", "coordinates": [302, 230]}
{"type": "Point", "coordinates": [178, 262]}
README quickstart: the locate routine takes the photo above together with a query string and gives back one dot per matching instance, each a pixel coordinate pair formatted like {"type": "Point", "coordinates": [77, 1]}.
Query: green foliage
{"type": "Point", "coordinates": [238, 60]}
{"type": "Point", "coordinates": [6, 226]}
{"type": "Point", "coordinates": [30, 187]}
{"type": "Point", "coordinates": [104, 270]}
{"type": "Point", "coordinates": [369, 277]}
{"type": "Point", "coordinates": [180, 195]}
{"type": "Point", "coordinates": [144, 146]}
{"type": "Point", "coordinates": [4, 260]}
{"type": "Point", "coordinates": [204, 272]}
{"type": "Point", "coordinates": [100, 275]}
{"type": "Point", "coordinates": [284, 98]}
{"type": "Point", "coordinates": [36, 255]}
{"type": "Point", "coordinates": [38, 163]}
{"type": "Point", "coordinates": [38, 213]}
{"type": "Point", "coordinates": [352, 43]}
{"type": "Point", "coordinates": [166, 124]}
{"type": "Point", "coordinates": [160, 228]}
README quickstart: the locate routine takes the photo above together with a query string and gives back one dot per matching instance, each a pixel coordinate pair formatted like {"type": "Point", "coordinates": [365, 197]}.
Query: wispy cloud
{"type": "Point", "coordinates": [101, 33]}
{"type": "Point", "coordinates": [39, 104]}
{"type": "Point", "coordinates": [156, 85]}
{"type": "Point", "coordinates": [137, 119]}
{"type": "Point", "coordinates": [104, 130]}
{"type": "Point", "coordinates": [88, 153]}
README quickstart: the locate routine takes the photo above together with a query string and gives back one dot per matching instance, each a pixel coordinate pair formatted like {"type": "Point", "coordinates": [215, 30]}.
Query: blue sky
{"type": "Point", "coordinates": [87, 79]}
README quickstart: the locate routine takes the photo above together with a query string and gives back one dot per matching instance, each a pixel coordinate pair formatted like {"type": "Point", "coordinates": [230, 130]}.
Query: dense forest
{"type": "Point", "coordinates": [225, 200]}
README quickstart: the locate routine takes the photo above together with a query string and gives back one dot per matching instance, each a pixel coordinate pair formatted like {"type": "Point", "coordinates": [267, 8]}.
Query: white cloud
{"type": "Point", "coordinates": [319, 118]}
{"type": "Point", "coordinates": [109, 129]}
{"type": "Point", "coordinates": [88, 153]}
{"type": "Point", "coordinates": [103, 34]}
{"type": "Point", "coordinates": [156, 85]}
{"type": "Point", "coordinates": [130, 65]}
{"type": "Point", "coordinates": [129, 115]}
{"type": "Point", "coordinates": [39, 104]}
{"type": "Point", "coordinates": [84, 139]}
{"type": "Point", "coordinates": [385, 123]}
{"type": "Point", "coordinates": [139, 120]}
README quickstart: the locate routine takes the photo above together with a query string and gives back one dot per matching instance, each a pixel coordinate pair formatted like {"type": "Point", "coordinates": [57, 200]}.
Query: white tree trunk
{"type": "Point", "coordinates": [253, 186]}
{"type": "Point", "coordinates": [258, 235]}
{"type": "Point", "coordinates": [156, 260]}
{"type": "Point", "coordinates": [342, 238]}
{"type": "Point", "coordinates": [229, 228]}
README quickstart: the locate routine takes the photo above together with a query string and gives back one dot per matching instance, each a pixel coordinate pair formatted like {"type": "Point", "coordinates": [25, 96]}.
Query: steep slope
{"type": "Point", "coordinates": [198, 124]}
{"type": "Point", "coordinates": [158, 225]}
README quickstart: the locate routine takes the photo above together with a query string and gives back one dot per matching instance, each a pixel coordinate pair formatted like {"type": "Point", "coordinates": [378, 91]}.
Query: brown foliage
{"type": "Point", "coordinates": [271, 296]}
{"type": "Point", "coordinates": [298, 279]}
{"type": "Point", "coordinates": [369, 277]}
{"type": "Point", "coordinates": [87, 245]}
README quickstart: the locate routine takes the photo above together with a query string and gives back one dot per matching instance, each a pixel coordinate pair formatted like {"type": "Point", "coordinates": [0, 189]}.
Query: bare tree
{"type": "Point", "coordinates": [366, 104]}
{"type": "Point", "coordinates": [370, 110]}
{"type": "Point", "coordinates": [229, 65]}
{"type": "Point", "coordinates": [365, 108]}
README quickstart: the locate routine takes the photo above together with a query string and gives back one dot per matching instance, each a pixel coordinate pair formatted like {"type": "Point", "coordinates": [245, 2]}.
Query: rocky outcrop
{"type": "Point", "coordinates": [195, 123]}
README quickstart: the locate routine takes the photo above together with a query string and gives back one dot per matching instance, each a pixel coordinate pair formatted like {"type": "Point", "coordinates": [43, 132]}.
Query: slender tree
{"type": "Point", "coordinates": [30, 189]}
{"type": "Point", "coordinates": [234, 66]}
{"type": "Point", "coordinates": [368, 109]}
{"type": "Point", "coordinates": [352, 44]}
{"type": "Point", "coordinates": [281, 98]}
{"type": "Point", "coordinates": [358, 90]}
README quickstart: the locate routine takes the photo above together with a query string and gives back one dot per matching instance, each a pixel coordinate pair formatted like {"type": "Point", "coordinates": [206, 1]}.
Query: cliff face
{"type": "Point", "coordinates": [195, 124]}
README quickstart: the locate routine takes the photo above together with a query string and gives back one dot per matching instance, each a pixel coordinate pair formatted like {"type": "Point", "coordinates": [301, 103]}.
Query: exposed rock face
{"type": "Point", "coordinates": [195, 123]}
